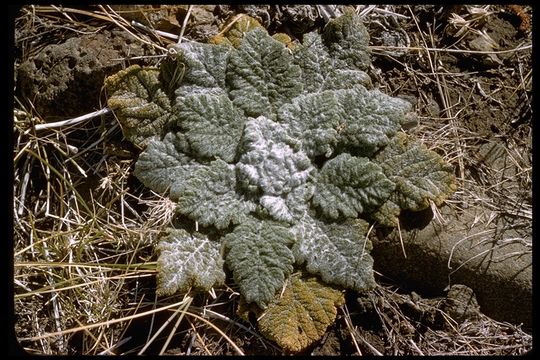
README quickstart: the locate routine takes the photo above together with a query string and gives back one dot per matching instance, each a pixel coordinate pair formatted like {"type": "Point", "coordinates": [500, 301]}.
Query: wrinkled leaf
{"type": "Point", "coordinates": [213, 125]}
{"type": "Point", "coordinates": [274, 170]}
{"type": "Point", "coordinates": [301, 315]}
{"type": "Point", "coordinates": [261, 76]}
{"type": "Point", "coordinates": [164, 162]}
{"type": "Point", "coordinates": [260, 258]}
{"type": "Point", "coordinates": [188, 260]}
{"type": "Point", "coordinates": [347, 39]}
{"type": "Point", "coordinates": [350, 186]}
{"type": "Point", "coordinates": [342, 79]}
{"type": "Point", "coordinates": [313, 119]}
{"type": "Point", "coordinates": [273, 167]}
{"type": "Point", "coordinates": [209, 197]}
{"type": "Point", "coordinates": [368, 119]}
{"type": "Point", "coordinates": [290, 207]}
{"type": "Point", "coordinates": [322, 72]}
{"type": "Point", "coordinates": [420, 174]}
{"type": "Point", "coordinates": [199, 68]}
{"type": "Point", "coordinates": [313, 58]}
{"type": "Point", "coordinates": [262, 133]}
{"type": "Point", "coordinates": [338, 252]}
{"type": "Point", "coordinates": [139, 102]}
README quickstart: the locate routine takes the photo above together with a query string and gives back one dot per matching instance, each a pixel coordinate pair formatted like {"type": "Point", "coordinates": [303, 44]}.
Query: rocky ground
{"type": "Point", "coordinates": [457, 280]}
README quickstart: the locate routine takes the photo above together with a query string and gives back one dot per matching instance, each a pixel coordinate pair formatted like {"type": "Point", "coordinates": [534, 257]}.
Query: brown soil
{"type": "Point", "coordinates": [467, 103]}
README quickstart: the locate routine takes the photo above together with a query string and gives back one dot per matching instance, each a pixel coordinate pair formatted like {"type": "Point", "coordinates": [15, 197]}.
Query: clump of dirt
{"type": "Point", "coordinates": [65, 79]}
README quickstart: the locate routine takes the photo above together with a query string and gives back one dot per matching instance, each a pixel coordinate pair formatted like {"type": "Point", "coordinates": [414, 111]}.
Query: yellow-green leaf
{"type": "Point", "coordinates": [233, 32]}
{"type": "Point", "coordinates": [139, 102]}
{"type": "Point", "coordinates": [420, 174]}
{"type": "Point", "coordinates": [301, 315]}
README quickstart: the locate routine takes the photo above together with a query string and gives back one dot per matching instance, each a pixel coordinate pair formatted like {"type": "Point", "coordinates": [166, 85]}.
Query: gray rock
{"type": "Point", "coordinates": [493, 260]}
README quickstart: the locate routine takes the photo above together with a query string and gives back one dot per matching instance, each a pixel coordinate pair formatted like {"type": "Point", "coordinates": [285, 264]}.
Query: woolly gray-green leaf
{"type": "Point", "coordinates": [164, 162]}
{"type": "Point", "coordinates": [337, 252]}
{"type": "Point", "coordinates": [368, 119]}
{"type": "Point", "coordinates": [261, 133]}
{"type": "Point", "coordinates": [347, 39]}
{"type": "Point", "coordinates": [320, 71]}
{"type": "Point", "coordinates": [213, 125]}
{"type": "Point", "coordinates": [200, 68]}
{"type": "Point", "coordinates": [420, 174]}
{"type": "Point", "coordinates": [260, 258]}
{"type": "Point", "coordinates": [342, 79]}
{"type": "Point", "coordinates": [209, 196]}
{"type": "Point", "coordinates": [188, 260]}
{"type": "Point", "coordinates": [261, 75]}
{"type": "Point", "coordinates": [350, 186]}
{"type": "Point", "coordinates": [290, 207]}
{"type": "Point", "coordinates": [313, 119]}
{"type": "Point", "coordinates": [139, 102]}
{"type": "Point", "coordinates": [315, 62]}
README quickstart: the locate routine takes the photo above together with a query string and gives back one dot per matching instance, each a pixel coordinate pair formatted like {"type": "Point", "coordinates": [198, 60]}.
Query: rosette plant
{"type": "Point", "coordinates": [282, 156]}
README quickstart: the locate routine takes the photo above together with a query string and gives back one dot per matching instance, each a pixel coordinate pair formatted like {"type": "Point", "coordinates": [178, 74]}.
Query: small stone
{"type": "Point", "coordinates": [461, 304]}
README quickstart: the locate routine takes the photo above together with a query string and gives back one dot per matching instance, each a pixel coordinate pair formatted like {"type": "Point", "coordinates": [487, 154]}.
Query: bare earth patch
{"type": "Point", "coordinates": [84, 228]}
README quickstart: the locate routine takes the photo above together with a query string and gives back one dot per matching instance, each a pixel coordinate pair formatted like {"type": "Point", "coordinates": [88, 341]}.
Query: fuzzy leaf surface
{"type": "Point", "coordinates": [213, 125]}
{"type": "Point", "coordinates": [350, 186]}
{"type": "Point", "coordinates": [302, 314]}
{"type": "Point", "coordinates": [199, 68]}
{"type": "Point", "coordinates": [290, 207]}
{"type": "Point", "coordinates": [273, 169]}
{"type": "Point", "coordinates": [368, 119]}
{"type": "Point", "coordinates": [342, 79]}
{"type": "Point", "coordinates": [420, 174]}
{"type": "Point", "coordinates": [313, 119]}
{"type": "Point", "coordinates": [347, 39]}
{"type": "Point", "coordinates": [139, 102]}
{"type": "Point", "coordinates": [164, 162]}
{"type": "Point", "coordinates": [209, 197]}
{"type": "Point", "coordinates": [338, 252]}
{"type": "Point", "coordinates": [188, 260]}
{"type": "Point", "coordinates": [320, 71]}
{"type": "Point", "coordinates": [260, 258]}
{"type": "Point", "coordinates": [261, 75]}
{"type": "Point", "coordinates": [313, 58]}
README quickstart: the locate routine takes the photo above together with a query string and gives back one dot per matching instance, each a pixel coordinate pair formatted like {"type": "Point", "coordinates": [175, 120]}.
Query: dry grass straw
{"type": "Point", "coordinates": [501, 186]}
{"type": "Point", "coordinates": [406, 332]}
{"type": "Point", "coordinates": [84, 237]}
